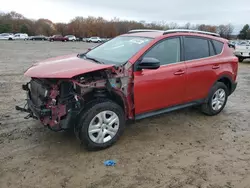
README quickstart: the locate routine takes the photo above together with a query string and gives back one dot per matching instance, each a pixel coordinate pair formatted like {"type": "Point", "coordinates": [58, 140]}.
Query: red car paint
{"type": "Point", "coordinates": [63, 67]}
{"type": "Point", "coordinates": [145, 90]}
{"type": "Point", "coordinates": [195, 82]}
{"type": "Point", "coordinates": [58, 38]}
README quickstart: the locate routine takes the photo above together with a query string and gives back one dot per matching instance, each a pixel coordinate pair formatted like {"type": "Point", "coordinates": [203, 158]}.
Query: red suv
{"type": "Point", "coordinates": [58, 38]}
{"type": "Point", "coordinates": [133, 76]}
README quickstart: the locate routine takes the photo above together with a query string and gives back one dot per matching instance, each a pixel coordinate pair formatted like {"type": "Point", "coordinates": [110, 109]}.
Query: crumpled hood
{"type": "Point", "coordinates": [63, 67]}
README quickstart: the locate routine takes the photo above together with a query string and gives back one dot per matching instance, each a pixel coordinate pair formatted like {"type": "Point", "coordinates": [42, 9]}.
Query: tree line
{"type": "Point", "coordinates": [14, 22]}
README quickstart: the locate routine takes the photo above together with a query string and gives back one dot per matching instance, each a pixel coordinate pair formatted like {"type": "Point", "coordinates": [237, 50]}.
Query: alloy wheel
{"type": "Point", "coordinates": [103, 127]}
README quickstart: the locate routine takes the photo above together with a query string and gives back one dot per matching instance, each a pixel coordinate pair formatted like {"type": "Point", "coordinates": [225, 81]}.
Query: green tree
{"type": "Point", "coordinates": [5, 28]}
{"type": "Point", "coordinates": [244, 32]}
{"type": "Point", "coordinates": [248, 34]}
{"type": "Point", "coordinates": [24, 29]}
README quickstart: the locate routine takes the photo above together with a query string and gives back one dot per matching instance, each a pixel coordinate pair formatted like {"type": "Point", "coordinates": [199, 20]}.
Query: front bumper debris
{"type": "Point", "coordinates": [30, 113]}
{"type": "Point", "coordinates": [47, 110]}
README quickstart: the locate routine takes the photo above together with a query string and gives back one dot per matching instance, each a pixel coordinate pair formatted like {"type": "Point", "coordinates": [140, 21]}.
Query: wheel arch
{"type": "Point", "coordinates": [112, 95]}
{"type": "Point", "coordinates": [227, 80]}
{"type": "Point", "coordinates": [224, 78]}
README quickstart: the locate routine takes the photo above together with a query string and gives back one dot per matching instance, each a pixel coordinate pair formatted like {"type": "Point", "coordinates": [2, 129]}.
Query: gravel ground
{"type": "Point", "coordinates": [179, 149]}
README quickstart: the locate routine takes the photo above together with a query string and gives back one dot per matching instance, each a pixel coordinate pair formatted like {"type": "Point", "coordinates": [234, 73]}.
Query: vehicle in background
{"type": "Point", "coordinates": [242, 50]}
{"type": "Point", "coordinates": [6, 36]}
{"type": "Point", "coordinates": [21, 36]}
{"type": "Point", "coordinates": [84, 39]}
{"type": "Point", "coordinates": [231, 44]}
{"type": "Point", "coordinates": [38, 37]}
{"type": "Point", "coordinates": [70, 37]}
{"type": "Point", "coordinates": [133, 76]}
{"type": "Point", "coordinates": [94, 39]}
{"type": "Point", "coordinates": [58, 38]}
{"type": "Point", "coordinates": [105, 39]}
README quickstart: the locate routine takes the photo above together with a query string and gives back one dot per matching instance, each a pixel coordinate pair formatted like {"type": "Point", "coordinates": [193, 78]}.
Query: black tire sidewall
{"type": "Point", "coordinates": [218, 85]}
{"type": "Point", "coordinates": [89, 114]}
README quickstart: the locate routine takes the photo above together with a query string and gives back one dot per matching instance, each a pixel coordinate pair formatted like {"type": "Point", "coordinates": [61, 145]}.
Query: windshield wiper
{"type": "Point", "coordinates": [93, 59]}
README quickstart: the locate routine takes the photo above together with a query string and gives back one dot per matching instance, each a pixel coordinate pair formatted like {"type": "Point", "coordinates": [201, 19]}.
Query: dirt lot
{"type": "Point", "coordinates": [180, 149]}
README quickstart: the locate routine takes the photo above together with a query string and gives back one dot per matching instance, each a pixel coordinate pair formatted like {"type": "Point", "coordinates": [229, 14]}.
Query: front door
{"type": "Point", "coordinates": [164, 87]}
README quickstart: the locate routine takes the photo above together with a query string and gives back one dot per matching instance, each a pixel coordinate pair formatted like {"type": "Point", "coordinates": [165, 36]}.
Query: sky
{"type": "Point", "coordinates": [236, 12]}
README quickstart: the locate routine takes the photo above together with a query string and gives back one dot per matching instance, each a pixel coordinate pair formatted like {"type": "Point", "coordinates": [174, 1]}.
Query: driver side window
{"type": "Point", "coordinates": [166, 51]}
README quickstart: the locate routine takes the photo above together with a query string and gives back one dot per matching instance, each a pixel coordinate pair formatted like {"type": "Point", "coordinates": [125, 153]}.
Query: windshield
{"type": "Point", "coordinates": [118, 50]}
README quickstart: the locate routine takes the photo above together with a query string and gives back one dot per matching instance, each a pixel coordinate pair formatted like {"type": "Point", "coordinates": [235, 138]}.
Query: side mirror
{"type": "Point", "coordinates": [149, 63]}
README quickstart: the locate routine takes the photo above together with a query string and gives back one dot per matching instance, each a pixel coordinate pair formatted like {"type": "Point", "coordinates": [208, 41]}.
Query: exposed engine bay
{"type": "Point", "coordinates": [57, 102]}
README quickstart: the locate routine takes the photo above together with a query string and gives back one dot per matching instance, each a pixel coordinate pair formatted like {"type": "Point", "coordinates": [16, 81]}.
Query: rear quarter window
{"type": "Point", "coordinates": [218, 46]}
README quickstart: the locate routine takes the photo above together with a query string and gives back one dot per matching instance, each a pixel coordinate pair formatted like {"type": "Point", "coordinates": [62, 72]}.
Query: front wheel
{"type": "Point", "coordinates": [216, 100]}
{"type": "Point", "coordinates": [101, 124]}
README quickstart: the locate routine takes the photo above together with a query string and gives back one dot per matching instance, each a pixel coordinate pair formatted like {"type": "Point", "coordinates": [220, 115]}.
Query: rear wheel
{"type": "Point", "coordinates": [101, 124]}
{"type": "Point", "coordinates": [216, 100]}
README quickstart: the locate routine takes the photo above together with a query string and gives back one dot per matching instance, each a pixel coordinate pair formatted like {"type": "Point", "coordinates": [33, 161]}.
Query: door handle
{"type": "Point", "coordinates": [179, 72]}
{"type": "Point", "coordinates": [215, 66]}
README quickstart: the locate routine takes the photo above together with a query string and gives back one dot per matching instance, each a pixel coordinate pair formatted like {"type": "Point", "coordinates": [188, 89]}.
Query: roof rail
{"type": "Point", "coordinates": [190, 31]}
{"type": "Point", "coordinates": [145, 30]}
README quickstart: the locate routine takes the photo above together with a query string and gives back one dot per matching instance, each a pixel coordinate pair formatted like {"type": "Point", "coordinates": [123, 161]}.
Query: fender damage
{"type": "Point", "coordinates": [57, 102]}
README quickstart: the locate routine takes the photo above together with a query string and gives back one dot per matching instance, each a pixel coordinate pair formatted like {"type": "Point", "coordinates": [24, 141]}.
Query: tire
{"type": "Point", "coordinates": [209, 108]}
{"type": "Point", "coordinates": [10, 39]}
{"type": "Point", "coordinates": [88, 118]}
{"type": "Point", "coordinates": [51, 40]}
{"type": "Point", "coordinates": [241, 59]}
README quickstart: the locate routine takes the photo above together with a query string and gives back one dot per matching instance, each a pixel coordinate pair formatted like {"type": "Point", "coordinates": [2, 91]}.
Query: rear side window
{"type": "Point", "coordinates": [218, 46]}
{"type": "Point", "coordinates": [196, 48]}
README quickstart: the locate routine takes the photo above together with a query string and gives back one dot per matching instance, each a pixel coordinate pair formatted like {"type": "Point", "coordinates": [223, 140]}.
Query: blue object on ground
{"type": "Point", "coordinates": [110, 163]}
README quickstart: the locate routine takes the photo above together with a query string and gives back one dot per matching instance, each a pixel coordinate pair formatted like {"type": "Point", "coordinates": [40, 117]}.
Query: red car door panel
{"type": "Point", "coordinates": [161, 88]}
{"type": "Point", "coordinates": [203, 67]}
{"type": "Point", "coordinates": [200, 77]}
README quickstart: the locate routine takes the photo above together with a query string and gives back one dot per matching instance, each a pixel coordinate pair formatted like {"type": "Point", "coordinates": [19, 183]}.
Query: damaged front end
{"type": "Point", "coordinates": [57, 103]}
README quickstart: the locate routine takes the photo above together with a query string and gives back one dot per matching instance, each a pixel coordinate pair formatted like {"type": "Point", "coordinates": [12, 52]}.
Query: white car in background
{"type": "Point", "coordinates": [94, 39]}
{"type": "Point", "coordinates": [71, 37]}
{"type": "Point", "coordinates": [242, 50]}
{"type": "Point", "coordinates": [21, 36]}
{"type": "Point", "coordinates": [6, 36]}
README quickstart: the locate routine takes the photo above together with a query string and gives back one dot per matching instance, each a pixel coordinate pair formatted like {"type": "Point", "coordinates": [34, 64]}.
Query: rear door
{"type": "Point", "coordinates": [203, 63]}
{"type": "Point", "coordinates": [164, 87]}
